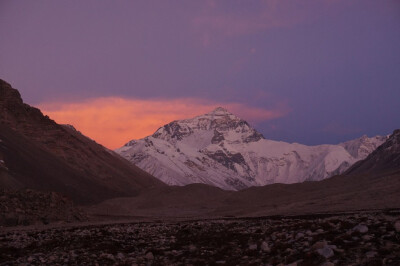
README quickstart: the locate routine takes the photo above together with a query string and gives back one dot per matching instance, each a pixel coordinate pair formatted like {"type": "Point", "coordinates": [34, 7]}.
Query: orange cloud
{"type": "Point", "coordinates": [114, 121]}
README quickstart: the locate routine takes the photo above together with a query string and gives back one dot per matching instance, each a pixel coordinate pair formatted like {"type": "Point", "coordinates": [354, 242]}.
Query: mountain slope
{"type": "Point", "coordinates": [38, 153]}
{"type": "Point", "coordinates": [386, 158]}
{"type": "Point", "coordinates": [222, 150]}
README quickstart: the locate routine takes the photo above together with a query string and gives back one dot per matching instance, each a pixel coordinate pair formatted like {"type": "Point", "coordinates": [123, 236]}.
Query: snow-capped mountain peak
{"type": "Point", "coordinates": [221, 149]}
{"type": "Point", "coordinates": [216, 126]}
{"type": "Point", "coordinates": [362, 147]}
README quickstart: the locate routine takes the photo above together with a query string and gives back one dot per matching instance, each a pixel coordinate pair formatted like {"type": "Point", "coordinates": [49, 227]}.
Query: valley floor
{"type": "Point", "coordinates": [355, 238]}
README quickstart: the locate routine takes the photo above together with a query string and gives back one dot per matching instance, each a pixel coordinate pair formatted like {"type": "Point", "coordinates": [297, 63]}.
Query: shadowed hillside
{"type": "Point", "coordinates": [36, 152]}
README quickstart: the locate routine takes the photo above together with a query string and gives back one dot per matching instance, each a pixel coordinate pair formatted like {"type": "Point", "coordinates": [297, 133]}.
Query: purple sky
{"type": "Point", "coordinates": [335, 65]}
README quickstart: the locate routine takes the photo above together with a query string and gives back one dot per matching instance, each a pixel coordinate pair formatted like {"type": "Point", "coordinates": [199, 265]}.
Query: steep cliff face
{"type": "Point", "coordinates": [68, 154]}
{"type": "Point", "coordinates": [220, 149]}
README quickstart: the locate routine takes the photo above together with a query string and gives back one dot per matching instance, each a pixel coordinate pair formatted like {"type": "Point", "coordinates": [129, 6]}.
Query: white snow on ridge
{"type": "Point", "coordinates": [221, 149]}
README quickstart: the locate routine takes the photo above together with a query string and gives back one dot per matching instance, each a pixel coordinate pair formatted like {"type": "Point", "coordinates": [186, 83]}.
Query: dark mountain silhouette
{"type": "Point", "coordinates": [386, 158]}
{"type": "Point", "coordinates": [38, 153]}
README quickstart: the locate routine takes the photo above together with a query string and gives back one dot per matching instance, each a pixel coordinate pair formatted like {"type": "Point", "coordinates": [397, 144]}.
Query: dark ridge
{"type": "Point", "coordinates": [385, 158]}
{"type": "Point", "coordinates": [47, 156]}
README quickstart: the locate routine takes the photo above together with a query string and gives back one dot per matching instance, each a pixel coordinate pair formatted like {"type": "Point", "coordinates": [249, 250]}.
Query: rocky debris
{"type": "Point", "coordinates": [397, 226]}
{"type": "Point", "coordinates": [361, 228]}
{"type": "Point", "coordinates": [326, 251]}
{"type": "Point", "coordinates": [149, 256]}
{"type": "Point", "coordinates": [251, 241]}
{"type": "Point", "coordinates": [25, 207]}
{"type": "Point", "coordinates": [264, 247]}
{"type": "Point", "coordinates": [253, 247]}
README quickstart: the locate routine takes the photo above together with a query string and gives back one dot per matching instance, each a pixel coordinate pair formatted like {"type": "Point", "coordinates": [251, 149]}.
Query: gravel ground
{"type": "Point", "coordinates": [351, 239]}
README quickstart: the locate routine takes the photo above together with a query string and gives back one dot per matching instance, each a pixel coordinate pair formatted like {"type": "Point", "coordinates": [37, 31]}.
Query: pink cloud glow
{"type": "Point", "coordinates": [114, 121]}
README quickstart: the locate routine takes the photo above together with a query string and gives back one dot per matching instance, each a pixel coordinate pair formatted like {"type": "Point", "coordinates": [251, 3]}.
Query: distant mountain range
{"type": "Point", "coordinates": [370, 184]}
{"type": "Point", "coordinates": [218, 149]}
{"type": "Point", "coordinates": [223, 150]}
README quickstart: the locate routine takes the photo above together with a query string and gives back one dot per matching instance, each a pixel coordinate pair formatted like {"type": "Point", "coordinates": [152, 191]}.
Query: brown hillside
{"type": "Point", "coordinates": [42, 154]}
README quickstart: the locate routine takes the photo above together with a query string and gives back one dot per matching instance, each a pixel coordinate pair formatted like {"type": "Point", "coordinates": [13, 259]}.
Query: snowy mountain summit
{"type": "Point", "coordinates": [219, 125]}
{"type": "Point", "coordinates": [220, 149]}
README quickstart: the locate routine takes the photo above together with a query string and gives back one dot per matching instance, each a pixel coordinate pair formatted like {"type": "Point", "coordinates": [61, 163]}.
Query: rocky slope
{"type": "Point", "coordinates": [385, 158]}
{"type": "Point", "coordinates": [26, 207]}
{"type": "Point", "coordinates": [36, 152]}
{"type": "Point", "coordinates": [222, 150]}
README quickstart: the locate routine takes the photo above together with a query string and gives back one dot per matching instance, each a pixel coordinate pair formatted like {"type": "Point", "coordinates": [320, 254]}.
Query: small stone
{"type": "Point", "coordinates": [319, 231]}
{"type": "Point", "coordinates": [220, 262]}
{"type": "Point", "coordinates": [367, 237]}
{"type": "Point", "coordinates": [73, 254]}
{"type": "Point", "coordinates": [149, 256]}
{"type": "Point", "coordinates": [319, 245]}
{"type": "Point", "coordinates": [253, 247]}
{"type": "Point", "coordinates": [120, 256]}
{"type": "Point", "coordinates": [397, 226]}
{"type": "Point", "coordinates": [299, 235]}
{"type": "Point", "coordinates": [371, 254]}
{"type": "Point", "coordinates": [108, 256]}
{"type": "Point", "coordinates": [328, 263]}
{"type": "Point", "coordinates": [361, 228]}
{"type": "Point", "coordinates": [334, 247]}
{"type": "Point", "coordinates": [192, 248]}
{"type": "Point", "coordinates": [264, 247]}
{"type": "Point", "coordinates": [326, 252]}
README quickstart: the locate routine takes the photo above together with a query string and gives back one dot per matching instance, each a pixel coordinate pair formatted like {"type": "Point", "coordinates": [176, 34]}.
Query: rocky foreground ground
{"type": "Point", "coordinates": [27, 207]}
{"type": "Point", "coordinates": [351, 239]}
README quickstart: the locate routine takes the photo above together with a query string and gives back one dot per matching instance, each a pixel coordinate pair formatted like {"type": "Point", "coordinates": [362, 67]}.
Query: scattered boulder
{"type": "Point", "coordinates": [149, 256]}
{"type": "Point", "coordinates": [397, 226]}
{"type": "Point", "coordinates": [264, 247]}
{"type": "Point", "coordinates": [326, 252]}
{"type": "Point", "coordinates": [319, 245]}
{"type": "Point", "coordinates": [253, 246]}
{"type": "Point", "coordinates": [361, 228]}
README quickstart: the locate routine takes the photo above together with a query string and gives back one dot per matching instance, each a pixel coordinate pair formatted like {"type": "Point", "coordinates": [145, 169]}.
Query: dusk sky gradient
{"type": "Point", "coordinates": [304, 71]}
